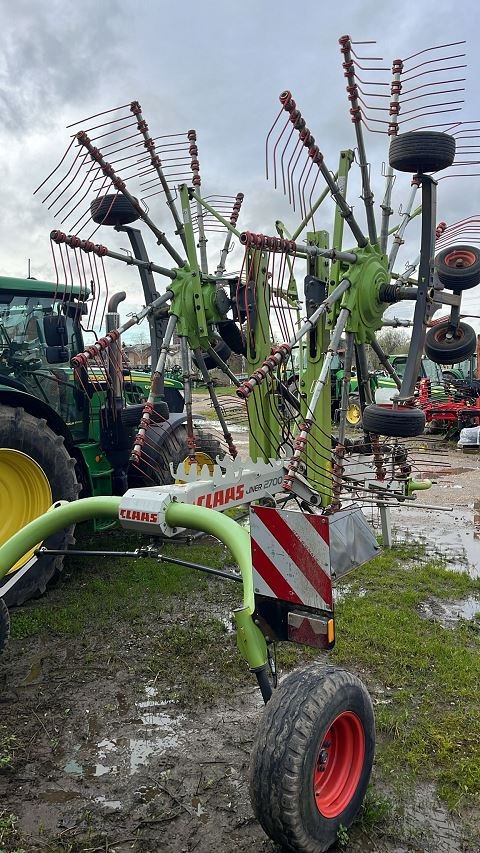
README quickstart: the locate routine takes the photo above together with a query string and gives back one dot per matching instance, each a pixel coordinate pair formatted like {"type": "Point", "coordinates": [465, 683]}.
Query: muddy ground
{"type": "Point", "coordinates": [107, 758]}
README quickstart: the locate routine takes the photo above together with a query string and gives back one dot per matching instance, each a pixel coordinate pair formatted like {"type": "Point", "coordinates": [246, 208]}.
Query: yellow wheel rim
{"type": "Point", "coordinates": [25, 494]}
{"type": "Point", "coordinates": [354, 414]}
{"type": "Point", "coordinates": [202, 459]}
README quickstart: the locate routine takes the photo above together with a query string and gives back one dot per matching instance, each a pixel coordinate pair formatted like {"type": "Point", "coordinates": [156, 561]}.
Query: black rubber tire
{"type": "Point", "coordinates": [173, 449]}
{"type": "Point", "coordinates": [421, 151]}
{"type": "Point", "coordinates": [22, 431]}
{"type": "Point", "coordinates": [223, 351]}
{"type": "Point", "coordinates": [113, 210]}
{"type": "Point", "coordinates": [131, 415]}
{"type": "Point", "coordinates": [443, 350]}
{"type": "Point", "coordinates": [464, 276]}
{"type": "Point", "coordinates": [4, 625]}
{"type": "Point", "coordinates": [285, 753]}
{"type": "Point", "coordinates": [230, 332]}
{"type": "Point", "coordinates": [401, 422]}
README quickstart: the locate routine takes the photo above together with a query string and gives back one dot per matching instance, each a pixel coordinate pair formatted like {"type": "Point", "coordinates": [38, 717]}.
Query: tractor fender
{"type": "Point", "coordinates": [175, 420]}
{"type": "Point", "coordinates": [10, 396]}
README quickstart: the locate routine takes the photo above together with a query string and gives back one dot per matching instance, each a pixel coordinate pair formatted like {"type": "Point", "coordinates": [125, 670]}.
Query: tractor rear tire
{"type": "Point", "coordinates": [422, 151]}
{"type": "Point", "coordinates": [155, 468]}
{"type": "Point", "coordinates": [4, 625]}
{"type": "Point", "coordinates": [458, 267]}
{"type": "Point", "coordinates": [443, 350]}
{"type": "Point", "coordinates": [402, 422]}
{"type": "Point", "coordinates": [312, 758]}
{"type": "Point", "coordinates": [32, 436]}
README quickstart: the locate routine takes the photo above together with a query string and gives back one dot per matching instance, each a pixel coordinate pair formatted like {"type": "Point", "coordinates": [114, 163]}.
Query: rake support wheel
{"type": "Point", "coordinates": [445, 348]}
{"type": "Point", "coordinates": [113, 210]}
{"type": "Point", "coordinates": [422, 151]}
{"type": "Point", "coordinates": [312, 757]}
{"type": "Point", "coordinates": [458, 267]}
{"type": "Point", "coordinates": [401, 422]}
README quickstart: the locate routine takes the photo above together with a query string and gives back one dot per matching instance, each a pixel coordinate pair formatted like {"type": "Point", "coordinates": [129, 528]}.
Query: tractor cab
{"type": "Point", "coordinates": [39, 334]}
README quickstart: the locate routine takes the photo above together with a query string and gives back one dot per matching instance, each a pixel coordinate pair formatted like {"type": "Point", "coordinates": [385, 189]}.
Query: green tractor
{"type": "Point", "coordinates": [64, 433]}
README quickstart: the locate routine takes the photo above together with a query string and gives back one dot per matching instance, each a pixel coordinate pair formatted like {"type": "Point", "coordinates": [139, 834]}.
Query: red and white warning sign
{"type": "Point", "coordinates": [291, 556]}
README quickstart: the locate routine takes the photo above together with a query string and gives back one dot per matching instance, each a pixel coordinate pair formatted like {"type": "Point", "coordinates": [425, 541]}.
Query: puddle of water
{"type": "Point", "coordinates": [88, 771]}
{"type": "Point", "coordinates": [450, 535]}
{"type": "Point", "coordinates": [155, 732]}
{"type": "Point", "coordinates": [35, 672]}
{"type": "Point", "coordinates": [213, 424]}
{"type": "Point", "coordinates": [57, 796]}
{"type": "Point", "coordinates": [109, 804]}
{"type": "Point", "coordinates": [341, 592]}
{"type": "Point", "coordinates": [449, 612]}
{"type": "Point", "coordinates": [73, 768]}
{"type": "Point", "coordinates": [147, 793]}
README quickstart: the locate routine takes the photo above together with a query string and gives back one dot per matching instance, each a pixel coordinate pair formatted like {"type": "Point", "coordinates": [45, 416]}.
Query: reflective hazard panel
{"type": "Point", "coordinates": [291, 557]}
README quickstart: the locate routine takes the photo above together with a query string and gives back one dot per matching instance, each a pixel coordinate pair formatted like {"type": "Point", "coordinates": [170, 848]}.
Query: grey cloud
{"type": "Point", "coordinates": [55, 53]}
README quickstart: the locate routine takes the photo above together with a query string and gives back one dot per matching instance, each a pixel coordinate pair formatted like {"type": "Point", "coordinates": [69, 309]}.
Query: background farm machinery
{"type": "Point", "coordinates": [304, 481]}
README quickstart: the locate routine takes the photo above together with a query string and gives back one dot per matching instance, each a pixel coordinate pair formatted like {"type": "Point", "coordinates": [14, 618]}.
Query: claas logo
{"type": "Point", "coordinates": [222, 497]}
{"type": "Point", "coordinates": [139, 515]}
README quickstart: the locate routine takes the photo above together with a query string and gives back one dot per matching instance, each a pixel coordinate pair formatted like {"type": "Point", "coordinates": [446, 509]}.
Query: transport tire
{"type": "Point", "coordinates": [312, 758]}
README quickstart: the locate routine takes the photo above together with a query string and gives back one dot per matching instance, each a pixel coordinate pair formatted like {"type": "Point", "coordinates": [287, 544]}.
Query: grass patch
{"type": "Point", "coordinates": [9, 836]}
{"type": "Point", "coordinates": [7, 748]}
{"type": "Point", "coordinates": [203, 658]}
{"type": "Point", "coordinates": [100, 589]}
{"type": "Point", "coordinates": [428, 716]}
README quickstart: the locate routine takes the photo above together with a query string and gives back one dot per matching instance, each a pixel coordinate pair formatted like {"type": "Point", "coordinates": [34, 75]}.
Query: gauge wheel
{"type": "Point", "coordinates": [113, 209]}
{"type": "Point", "coordinates": [401, 422]}
{"type": "Point", "coordinates": [444, 346]}
{"type": "Point", "coordinates": [312, 758]}
{"type": "Point", "coordinates": [36, 470]}
{"type": "Point", "coordinates": [422, 151]}
{"type": "Point", "coordinates": [458, 267]}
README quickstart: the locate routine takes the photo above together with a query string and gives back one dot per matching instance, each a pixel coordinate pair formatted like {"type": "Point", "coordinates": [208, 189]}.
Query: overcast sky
{"type": "Point", "coordinates": [212, 65]}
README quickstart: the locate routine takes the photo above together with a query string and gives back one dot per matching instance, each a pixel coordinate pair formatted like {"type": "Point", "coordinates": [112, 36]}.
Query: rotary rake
{"type": "Point", "coordinates": [304, 482]}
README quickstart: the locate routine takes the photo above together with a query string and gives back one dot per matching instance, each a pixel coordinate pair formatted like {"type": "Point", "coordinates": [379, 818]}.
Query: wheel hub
{"type": "Point", "coordinates": [339, 765]}
{"type": "Point", "coordinates": [25, 489]}
{"type": "Point", "coordinates": [202, 459]}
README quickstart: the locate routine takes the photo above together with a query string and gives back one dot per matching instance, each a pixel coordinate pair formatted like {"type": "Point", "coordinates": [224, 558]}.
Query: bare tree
{"type": "Point", "coordinates": [392, 341]}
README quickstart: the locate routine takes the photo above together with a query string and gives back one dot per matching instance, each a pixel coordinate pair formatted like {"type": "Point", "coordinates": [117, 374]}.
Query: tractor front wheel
{"type": "Point", "coordinates": [35, 471]}
{"type": "Point", "coordinates": [312, 758]}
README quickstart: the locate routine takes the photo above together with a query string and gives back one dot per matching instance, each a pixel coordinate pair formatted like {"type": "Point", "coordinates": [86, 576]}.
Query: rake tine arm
{"type": "Point", "coordinates": [301, 440]}
{"type": "Point", "coordinates": [228, 239]}
{"type": "Point", "coordinates": [156, 390]}
{"type": "Point", "coordinates": [119, 185]}
{"type": "Point", "coordinates": [356, 114]}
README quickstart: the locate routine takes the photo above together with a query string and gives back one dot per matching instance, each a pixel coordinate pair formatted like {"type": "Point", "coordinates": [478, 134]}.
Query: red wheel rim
{"type": "Point", "coordinates": [339, 765]}
{"type": "Point", "coordinates": [441, 335]}
{"type": "Point", "coordinates": [460, 258]}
